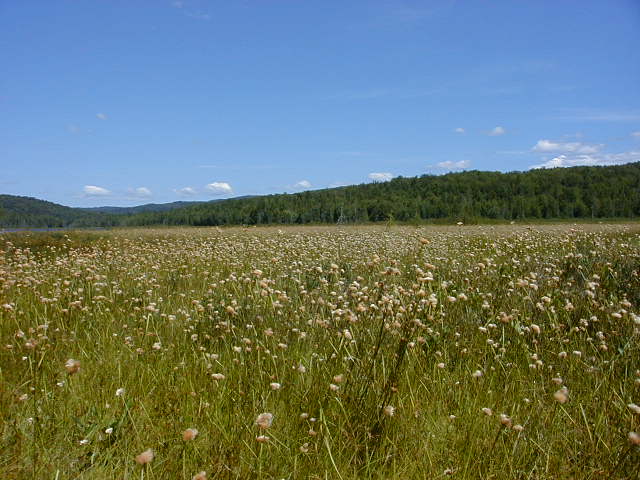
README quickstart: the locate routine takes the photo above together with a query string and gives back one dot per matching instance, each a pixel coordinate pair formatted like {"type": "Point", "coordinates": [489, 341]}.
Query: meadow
{"type": "Point", "coordinates": [493, 352]}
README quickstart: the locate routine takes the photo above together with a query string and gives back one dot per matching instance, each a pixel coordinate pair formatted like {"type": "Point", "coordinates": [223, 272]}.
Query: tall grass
{"type": "Point", "coordinates": [471, 352]}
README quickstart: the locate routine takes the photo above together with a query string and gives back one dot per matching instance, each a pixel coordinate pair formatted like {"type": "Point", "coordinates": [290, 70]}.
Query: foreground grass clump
{"type": "Point", "coordinates": [471, 352]}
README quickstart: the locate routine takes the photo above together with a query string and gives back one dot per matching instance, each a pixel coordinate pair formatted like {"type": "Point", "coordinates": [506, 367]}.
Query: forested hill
{"type": "Point", "coordinates": [577, 192]}
{"type": "Point", "coordinates": [18, 211]}
{"type": "Point", "coordinates": [147, 207]}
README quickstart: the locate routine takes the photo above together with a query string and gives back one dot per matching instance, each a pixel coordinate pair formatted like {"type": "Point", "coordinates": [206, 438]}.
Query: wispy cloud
{"type": "Point", "coordinates": [497, 131]}
{"type": "Point", "coordinates": [74, 129]}
{"type": "Point", "coordinates": [198, 15]}
{"type": "Point", "coordinates": [102, 116]}
{"type": "Point", "coordinates": [636, 134]}
{"type": "Point", "coordinates": [450, 166]}
{"type": "Point", "coordinates": [95, 191]}
{"type": "Point", "coordinates": [459, 130]}
{"type": "Point", "coordinates": [140, 192]}
{"type": "Point", "coordinates": [304, 184]}
{"type": "Point", "coordinates": [186, 191]}
{"type": "Point", "coordinates": [381, 176]}
{"type": "Point", "coordinates": [219, 188]}
{"type": "Point", "coordinates": [566, 147]}
{"type": "Point", "coordinates": [590, 160]}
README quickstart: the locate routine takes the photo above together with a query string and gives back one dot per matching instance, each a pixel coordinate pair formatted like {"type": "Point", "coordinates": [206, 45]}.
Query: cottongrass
{"type": "Point", "coordinates": [380, 356]}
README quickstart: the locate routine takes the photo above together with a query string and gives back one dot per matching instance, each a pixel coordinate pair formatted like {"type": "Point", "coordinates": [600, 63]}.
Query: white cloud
{"type": "Point", "coordinates": [177, 4]}
{"type": "Point", "coordinates": [141, 192]}
{"type": "Point", "coordinates": [95, 191]}
{"type": "Point", "coordinates": [337, 184]}
{"type": "Point", "coordinates": [102, 116]}
{"type": "Point", "coordinates": [590, 160]}
{"type": "Point", "coordinates": [449, 165]}
{"type": "Point", "coordinates": [186, 191]}
{"type": "Point", "coordinates": [497, 131]}
{"type": "Point", "coordinates": [459, 130]}
{"type": "Point", "coordinates": [566, 147]}
{"type": "Point", "coordinates": [219, 188]}
{"type": "Point", "coordinates": [636, 134]}
{"type": "Point", "coordinates": [303, 184]}
{"type": "Point", "coordinates": [73, 129]}
{"type": "Point", "coordinates": [381, 176]}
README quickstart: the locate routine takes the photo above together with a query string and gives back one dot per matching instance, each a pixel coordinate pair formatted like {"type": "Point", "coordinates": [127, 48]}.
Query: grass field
{"type": "Point", "coordinates": [500, 352]}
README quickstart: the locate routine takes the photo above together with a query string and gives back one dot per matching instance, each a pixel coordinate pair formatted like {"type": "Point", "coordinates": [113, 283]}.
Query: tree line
{"type": "Point", "coordinates": [562, 193]}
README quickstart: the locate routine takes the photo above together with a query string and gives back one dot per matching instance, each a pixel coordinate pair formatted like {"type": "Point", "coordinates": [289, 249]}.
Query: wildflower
{"type": "Point", "coordinates": [338, 378]}
{"type": "Point", "coordinates": [275, 386]}
{"type": "Point", "coordinates": [119, 392]}
{"type": "Point", "coordinates": [301, 368]}
{"type": "Point", "coordinates": [561, 395]}
{"type": "Point", "coordinates": [441, 365]}
{"type": "Point", "coordinates": [333, 387]}
{"type": "Point", "coordinates": [518, 428]}
{"type": "Point", "coordinates": [218, 376]}
{"type": "Point", "coordinates": [189, 434]}
{"type": "Point", "coordinates": [535, 328]}
{"type": "Point", "coordinates": [389, 410]}
{"type": "Point", "coordinates": [487, 411]}
{"type": "Point", "coordinates": [505, 420]}
{"type": "Point", "coordinates": [634, 438]}
{"type": "Point", "coordinates": [200, 476]}
{"type": "Point", "coordinates": [476, 374]}
{"type": "Point", "coordinates": [634, 408]}
{"type": "Point", "coordinates": [304, 448]}
{"type": "Point", "coordinates": [262, 438]}
{"type": "Point", "coordinates": [84, 441]}
{"type": "Point", "coordinates": [264, 420]}
{"type": "Point", "coordinates": [72, 366]}
{"type": "Point", "coordinates": [145, 457]}
{"type": "Point", "coordinates": [109, 431]}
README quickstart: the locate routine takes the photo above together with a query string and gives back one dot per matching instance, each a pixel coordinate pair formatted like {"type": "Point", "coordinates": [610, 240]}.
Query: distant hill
{"type": "Point", "coordinates": [16, 211]}
{"type": "Point", "coordinates": [577, 192]}
{"type": "Point", "coordinates": [148, 207]}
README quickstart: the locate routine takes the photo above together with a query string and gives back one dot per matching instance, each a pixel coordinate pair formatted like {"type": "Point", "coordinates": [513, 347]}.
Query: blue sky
{"type": "Point", "coordinates": [129, 102]}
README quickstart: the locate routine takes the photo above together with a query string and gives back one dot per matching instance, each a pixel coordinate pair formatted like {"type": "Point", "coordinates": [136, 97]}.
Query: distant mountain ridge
{"type": "Point", "coordinates": [148, 207]}
{"type": "Point", "coordinates": [576, 192]}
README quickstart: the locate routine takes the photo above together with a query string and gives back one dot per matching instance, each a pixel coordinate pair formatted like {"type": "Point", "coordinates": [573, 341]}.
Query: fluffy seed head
{"type": "Point", "coordinates": [72, 366]}
{"type": "Point", "coordinates": [562, 395]}
{"type": "Point", "coordinates": [145, 457]}
{"type": "Point", "coordinates": [264, 420]}
{"type": "Point", "coordinates": [189, 434]}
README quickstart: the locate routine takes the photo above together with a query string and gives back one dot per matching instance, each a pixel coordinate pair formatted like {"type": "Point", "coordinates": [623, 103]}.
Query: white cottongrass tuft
{"type": "Point", "coordinates": [145, 457]}
{"type": "Point", "coordinates": [264, 420]}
